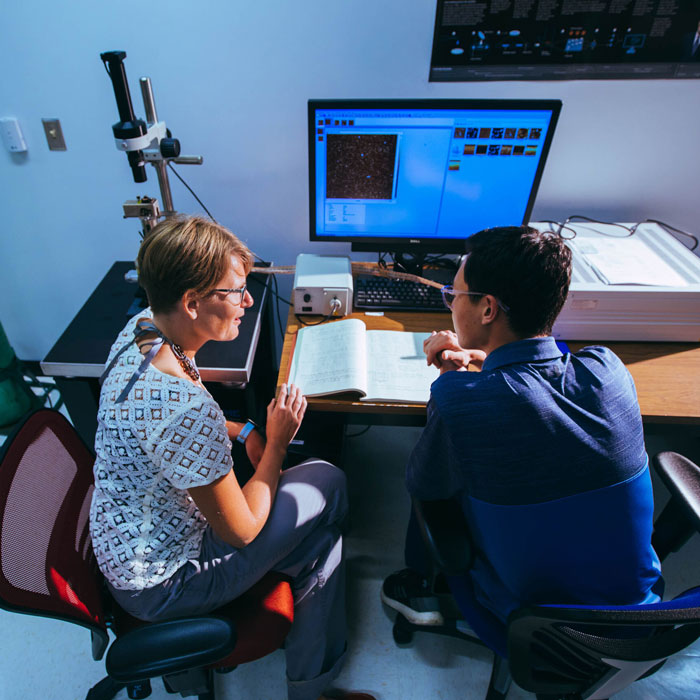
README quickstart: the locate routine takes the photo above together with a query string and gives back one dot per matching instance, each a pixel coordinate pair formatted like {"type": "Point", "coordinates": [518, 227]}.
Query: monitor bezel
{"type": "Point", "coordinates": [411, 244]}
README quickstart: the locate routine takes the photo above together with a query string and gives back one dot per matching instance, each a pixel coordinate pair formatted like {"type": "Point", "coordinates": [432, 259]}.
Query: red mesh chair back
{"type": "Point", "coordinates": [47, 566]}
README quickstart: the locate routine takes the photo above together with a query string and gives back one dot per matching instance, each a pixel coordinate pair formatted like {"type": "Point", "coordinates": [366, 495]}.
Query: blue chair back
{"type": "Point", "coordinates": [530, 554]}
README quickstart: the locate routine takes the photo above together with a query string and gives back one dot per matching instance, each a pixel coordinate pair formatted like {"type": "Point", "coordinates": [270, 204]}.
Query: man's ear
{"type": "Point", "coordinates": [491, 309]}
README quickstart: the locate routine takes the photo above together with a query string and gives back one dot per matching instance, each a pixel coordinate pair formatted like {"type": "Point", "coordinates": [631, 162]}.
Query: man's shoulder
{"type": "Point", "coordinates": [601, 358]}
{"type": "Point", "coordinates": [601, 352]}
{"type": "Point", "coordinates": [451, 389]}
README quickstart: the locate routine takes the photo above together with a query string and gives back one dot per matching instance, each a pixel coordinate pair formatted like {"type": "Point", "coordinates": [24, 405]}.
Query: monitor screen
{"type": "Point", "coordinates": [423, 175]}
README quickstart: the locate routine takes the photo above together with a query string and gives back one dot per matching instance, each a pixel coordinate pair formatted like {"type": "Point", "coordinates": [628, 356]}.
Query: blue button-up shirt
{"type": "Point", "coordinates": [536, 426]}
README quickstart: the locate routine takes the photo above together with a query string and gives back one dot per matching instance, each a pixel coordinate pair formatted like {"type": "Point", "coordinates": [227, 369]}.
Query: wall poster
{"type": "Point", "coordinates": [565, 39]}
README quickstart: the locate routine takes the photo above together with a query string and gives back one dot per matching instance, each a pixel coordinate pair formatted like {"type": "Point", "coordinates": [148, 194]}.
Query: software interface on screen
{"type": "Point", "coordinates": [424, 173]}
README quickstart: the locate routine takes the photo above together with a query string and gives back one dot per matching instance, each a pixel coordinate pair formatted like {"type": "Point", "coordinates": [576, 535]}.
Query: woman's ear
{"type": "Point", "coordinates": [190, 303]}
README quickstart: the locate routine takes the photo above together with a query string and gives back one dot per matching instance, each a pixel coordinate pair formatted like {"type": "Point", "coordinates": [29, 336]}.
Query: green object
{"type": "Point", "coordinates": [16, 396]}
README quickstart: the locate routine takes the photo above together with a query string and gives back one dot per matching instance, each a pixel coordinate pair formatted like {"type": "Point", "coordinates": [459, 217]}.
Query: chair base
{"type": "Point", "coordinates": [500, 679]}
{"type": "Point", "coordinates": [197, 682]}
{"type": "Point", "coordinates": [404, 630]}
{"type": "Point", "coordinates": [106, 689]}
{"type": "Point", "coordinates": [499, 684]}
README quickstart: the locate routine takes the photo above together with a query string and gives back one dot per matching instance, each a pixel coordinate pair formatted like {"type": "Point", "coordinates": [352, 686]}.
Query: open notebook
{"type": "Point", "coordinates": [344, 356]}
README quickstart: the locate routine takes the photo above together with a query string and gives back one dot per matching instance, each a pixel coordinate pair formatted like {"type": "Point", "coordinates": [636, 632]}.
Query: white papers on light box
{"type": "Point", "coordinates": [626, 261]}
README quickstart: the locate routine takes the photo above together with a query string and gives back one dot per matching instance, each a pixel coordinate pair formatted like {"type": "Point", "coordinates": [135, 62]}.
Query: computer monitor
{"type": "Point", "coordinates": [421, 176]}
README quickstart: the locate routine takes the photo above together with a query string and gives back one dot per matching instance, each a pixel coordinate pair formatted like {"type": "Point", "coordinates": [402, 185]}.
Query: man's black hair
{"type": "Point", "coordinates": [525, 269]}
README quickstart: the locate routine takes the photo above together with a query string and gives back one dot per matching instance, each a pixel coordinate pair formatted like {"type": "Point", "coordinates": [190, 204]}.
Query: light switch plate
{"type": "Point", "coordinates": [54, 134]}
{"type": "Point", "coordinates": [12, 135]}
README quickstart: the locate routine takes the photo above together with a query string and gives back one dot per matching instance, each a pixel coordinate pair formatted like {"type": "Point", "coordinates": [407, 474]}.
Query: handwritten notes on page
{"type": "Point", "coordinates": [343, 356]}
{"type": "Point", "coordinates": [397, 368]}
{"type": "Point", "coordinates": [330, 358]}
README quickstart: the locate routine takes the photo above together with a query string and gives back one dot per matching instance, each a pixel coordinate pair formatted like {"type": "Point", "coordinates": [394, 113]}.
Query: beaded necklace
{"type": "Point", "coordinates": [143, 327]}
{"type": "Point", "coordinates": [185, 362]}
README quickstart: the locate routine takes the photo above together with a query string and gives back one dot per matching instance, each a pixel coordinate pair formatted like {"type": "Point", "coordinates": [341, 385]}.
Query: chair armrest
{"type": "Point", "coordinates": [446, 535]}
{"type": "Point", "coordinates": [681, 516]}
{"type": "Point", "coordinates": [168, 647]}
{"type": "Point", "coordinates": [682, 479]}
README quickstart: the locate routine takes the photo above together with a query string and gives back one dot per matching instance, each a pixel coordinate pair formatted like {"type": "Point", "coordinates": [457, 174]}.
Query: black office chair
{"type": "Point", "coordinates": [47, 568]}
{"type": "Point", "coordinates": [574, 651]}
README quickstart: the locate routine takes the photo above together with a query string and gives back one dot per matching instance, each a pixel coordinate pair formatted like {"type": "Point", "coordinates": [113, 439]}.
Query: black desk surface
{"type": "Point", "coordinates": [82, 349]}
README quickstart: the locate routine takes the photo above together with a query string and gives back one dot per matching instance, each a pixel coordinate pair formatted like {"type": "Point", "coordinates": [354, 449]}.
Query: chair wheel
{"type": "Point", "coordinates": [402, 631]}
{"type": "Point", "coordinates": [138, 691]}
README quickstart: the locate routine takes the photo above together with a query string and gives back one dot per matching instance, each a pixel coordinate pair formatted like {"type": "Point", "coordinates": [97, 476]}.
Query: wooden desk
{"type": "Point", "coordinates": [667, 375]}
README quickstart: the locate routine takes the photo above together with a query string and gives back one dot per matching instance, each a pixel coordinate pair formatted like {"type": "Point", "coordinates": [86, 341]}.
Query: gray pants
{"type": "Point", "coordinates": [302, 539]}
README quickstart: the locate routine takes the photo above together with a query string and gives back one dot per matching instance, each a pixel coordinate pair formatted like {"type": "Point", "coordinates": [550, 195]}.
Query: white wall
{"type": "Point", "coordinates": [231, 79]}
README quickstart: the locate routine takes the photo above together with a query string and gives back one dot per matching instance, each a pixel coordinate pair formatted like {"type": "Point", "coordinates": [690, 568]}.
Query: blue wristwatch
{"type": "Point", "coordinates": [245, 431]}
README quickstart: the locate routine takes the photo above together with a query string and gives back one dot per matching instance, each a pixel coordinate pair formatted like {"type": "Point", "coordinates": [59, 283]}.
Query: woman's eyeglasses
{"type": "Point", "coordinates": [236, 294]}
{"type": "Point", "coordinates": [449, 294]}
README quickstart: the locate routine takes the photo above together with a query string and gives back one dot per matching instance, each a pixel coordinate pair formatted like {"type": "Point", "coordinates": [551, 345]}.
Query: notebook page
{"type": "Point", "coordinates": [396, 367]}
{"type": "Point", "coordinates": [330, 358]}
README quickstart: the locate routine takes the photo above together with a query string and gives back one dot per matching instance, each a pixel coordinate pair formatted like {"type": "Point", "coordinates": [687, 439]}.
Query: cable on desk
{"type": "Point", "coordinates": [677, 230]}
{"type": "Point", "coordinates": [317, 323]}
{"type": "Point", "coordinates": [362, 432]}
{"type": "Point", "coordinates": [630, 231]}
{"type": "Point", "coordinates": [277, 307]}
{"type": "Point", "coordinates": [561, 227]}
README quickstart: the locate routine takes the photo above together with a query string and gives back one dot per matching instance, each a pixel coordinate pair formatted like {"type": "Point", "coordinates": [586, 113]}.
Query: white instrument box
{"type": "Point", "coordinates": [645, 287]}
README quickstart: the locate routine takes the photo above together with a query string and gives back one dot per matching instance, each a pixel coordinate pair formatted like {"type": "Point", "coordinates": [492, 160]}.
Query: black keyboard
{"type": "Point", "coordinates": [385, 294]}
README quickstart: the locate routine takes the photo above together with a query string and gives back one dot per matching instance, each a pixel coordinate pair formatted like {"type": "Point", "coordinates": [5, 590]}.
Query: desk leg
{"type": "Point", "coordinates": [321, 435]}
{"type": "Point", "coordinates": [81, 397]}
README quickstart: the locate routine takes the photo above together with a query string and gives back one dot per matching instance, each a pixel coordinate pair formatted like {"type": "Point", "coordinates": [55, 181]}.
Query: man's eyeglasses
{"type": "Point", "coordinates": [236, 294]}
{"type": "Point", "coordinates": [449, 294]}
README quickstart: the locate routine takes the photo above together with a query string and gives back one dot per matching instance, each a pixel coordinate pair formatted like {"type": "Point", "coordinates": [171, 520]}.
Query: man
{"type": "Point", "coordinates": [544, 450]}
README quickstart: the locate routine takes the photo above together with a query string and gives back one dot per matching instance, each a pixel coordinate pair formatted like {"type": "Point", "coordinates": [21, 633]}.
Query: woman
{"type": "Point", "coordinates": [173, 531]}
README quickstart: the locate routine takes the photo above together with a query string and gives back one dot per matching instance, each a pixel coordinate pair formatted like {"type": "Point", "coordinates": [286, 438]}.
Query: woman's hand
{"type": "Point", "coordinates": [284, 416]}
{"type": "Point", "coordinates": [444, 351]}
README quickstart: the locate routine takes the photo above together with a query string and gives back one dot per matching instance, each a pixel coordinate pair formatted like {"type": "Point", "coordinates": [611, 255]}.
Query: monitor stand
{"type": "Point", "coordinates": [415, 264]}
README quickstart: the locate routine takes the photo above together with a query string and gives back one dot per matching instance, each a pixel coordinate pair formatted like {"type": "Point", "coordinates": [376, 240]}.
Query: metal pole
{"type": "Point", "coordinates": [149, 104]}
{"type": "Point", "coordinates": [164, 183]}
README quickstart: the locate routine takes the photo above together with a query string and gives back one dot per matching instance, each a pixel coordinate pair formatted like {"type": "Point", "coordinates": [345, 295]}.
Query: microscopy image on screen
{"type": "Point", "coordinates": [360, 166]}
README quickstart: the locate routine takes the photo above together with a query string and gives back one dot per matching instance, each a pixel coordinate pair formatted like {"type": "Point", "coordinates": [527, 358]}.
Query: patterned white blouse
{"type": "Point", "coordinates": [167, 436]}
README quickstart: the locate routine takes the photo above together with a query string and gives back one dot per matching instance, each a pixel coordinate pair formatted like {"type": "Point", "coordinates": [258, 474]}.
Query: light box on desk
{"type": "Point", "coordinates": [595, 309]}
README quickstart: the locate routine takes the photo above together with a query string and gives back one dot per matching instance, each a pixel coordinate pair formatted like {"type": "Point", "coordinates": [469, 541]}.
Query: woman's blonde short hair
{"type": "Point", "coordinates": [186, 253]}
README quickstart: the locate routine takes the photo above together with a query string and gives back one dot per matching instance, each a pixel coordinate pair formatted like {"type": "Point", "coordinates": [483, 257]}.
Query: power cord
{"type": "Point", "coordinates": [361, 432]}
{"type": "Point", "coordinates": [279, 298]}
{"type": "Point", "coordinates": [561, 227]}
{"type": "Point", "coordinates": [335, 305]}
{"type": "Point", "coordinates": [317, 323]}
{"type": "Point", "coordinates": [181, 179]}
{"type": "Point", "coordinates": [631, 230]}
{"type": "Point", "coordinates": [677, 230]}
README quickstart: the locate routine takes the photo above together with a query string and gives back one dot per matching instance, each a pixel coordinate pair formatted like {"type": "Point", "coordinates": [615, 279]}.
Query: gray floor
{"type": "Point", "coordinates": [47, 659]}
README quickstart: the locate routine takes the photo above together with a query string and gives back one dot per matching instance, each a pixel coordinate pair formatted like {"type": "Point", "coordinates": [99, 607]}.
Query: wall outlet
{"type": "Point", "coordinates": [12, 135]}
{"type": "Point", "coordinates": [54, 134]}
